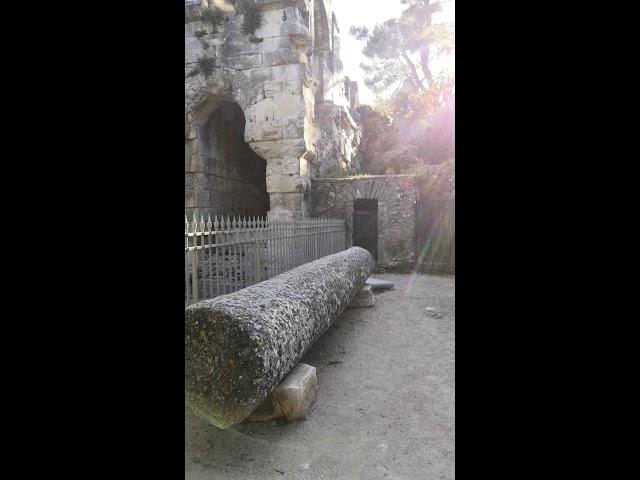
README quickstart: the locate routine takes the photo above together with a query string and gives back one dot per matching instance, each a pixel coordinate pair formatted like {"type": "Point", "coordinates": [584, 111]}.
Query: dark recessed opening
{"type": "Point", "coordinates": [365, 225]}
{"type": "Point", "coordinates": [235, 174]}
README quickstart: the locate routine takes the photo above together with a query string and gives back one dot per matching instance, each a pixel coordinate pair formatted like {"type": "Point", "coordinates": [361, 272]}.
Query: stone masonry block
{"type": "Point", "coordinates": [262, 111]}
{"type": "Point", "coordinates": [280, 73]}
{"type": "Point", "coordinates": [364, 298]}
{"type": "Point", "coordinates": [283, 166]}
{"type": "Point", "coordinates": [292, 201]}
{"type": "Point", "coordinates": [290, 165]}
{"type": "Point", "coordinates": [293, 399]}
{"type": "Point", "coordinates": [271, 130]}
{"type": "Point", "coordinates": [298, 392]}
{"type": "Point", "coordinates": [243, 62]}
{"type": "Point", "coordinates": [290, 106]}
{"type": "Point", "coordinates": [282, 57]}
{"type": "Point", "coordinates": [292, 88]}
{"type": "Point", "coordinates": [274, 43]}
{"type": "Point", "coordinates": [297, 30]}
{"type": "Point", "coordinates": [272, 90]}
{"type": "Point", "coordinates": [285, 203]}
{"type": "Point", "coordinates": [285, 183]}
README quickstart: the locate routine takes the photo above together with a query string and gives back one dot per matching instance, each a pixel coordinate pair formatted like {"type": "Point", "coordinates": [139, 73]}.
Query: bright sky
{"type": "Point", "coordinates": [370, 12]}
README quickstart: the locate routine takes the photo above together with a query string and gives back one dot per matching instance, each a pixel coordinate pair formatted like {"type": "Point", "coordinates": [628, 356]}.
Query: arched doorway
{"type": "Point", "coordinates": [365, 225]}
{"type": "Point", "coordinates": [233, 175]}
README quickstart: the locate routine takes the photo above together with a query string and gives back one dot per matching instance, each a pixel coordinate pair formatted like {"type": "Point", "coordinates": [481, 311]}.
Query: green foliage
{"type": "Point", "coordinates": [415, 23]}
{"type": "Point", "coordinates": [205, 65]}
{"type": "Point", "coordinates": [385, 42]}
{"type": "Point", "coordinates": [211, 17]}
{"type": "Point", "coordinates": [375, 137]}
{"type": "Point", "coordinates": [383, 75]}
{"type": "Point", "coordinates": [437, 181]}
{"type": "Point", "coordinates": [398, 72]}
{"type": "Point", "coordinates": [190, 17]}
{"type": "Point", "coordinates": [404, 47]}
{"type": "Point", "coordinates": [411, 104]}
{"type": "Point", "coordinates": [252, 15]}
{"type": "Point", "coordinates": [359, 33]}
{"type": "Point", "coordinates": [193, 72]}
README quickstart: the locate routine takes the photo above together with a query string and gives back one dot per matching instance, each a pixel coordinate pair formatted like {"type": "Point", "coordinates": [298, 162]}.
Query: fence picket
{"type": "Point", "coordinates": [187, 280]}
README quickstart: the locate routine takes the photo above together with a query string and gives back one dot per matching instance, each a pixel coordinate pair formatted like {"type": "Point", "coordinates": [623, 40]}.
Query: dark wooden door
{"type": "Point", "coordinates": [365, 225]}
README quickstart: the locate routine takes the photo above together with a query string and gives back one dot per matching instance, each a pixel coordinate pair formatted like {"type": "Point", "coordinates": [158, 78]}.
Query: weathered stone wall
{"type": "Point", "coordinates": [336, 98]}
{"type": "Point", "coordinates": [268, 84]}
{"type": "Point", "coordinates": [287, 80]}
{"type": "Point", "coordinates": [396, 196]}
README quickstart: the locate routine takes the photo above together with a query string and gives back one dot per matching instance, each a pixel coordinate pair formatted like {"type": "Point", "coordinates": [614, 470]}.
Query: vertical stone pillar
{"type": "Point", "coordinates": [277, 131]}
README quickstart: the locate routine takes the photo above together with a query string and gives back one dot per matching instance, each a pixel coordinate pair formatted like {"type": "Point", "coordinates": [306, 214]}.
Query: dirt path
{"type": "Point", "coordinates": [385, 403]}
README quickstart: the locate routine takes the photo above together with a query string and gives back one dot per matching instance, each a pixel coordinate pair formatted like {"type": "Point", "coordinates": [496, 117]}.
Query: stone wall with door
{"type": "Point", "coordinates": [396, 196]}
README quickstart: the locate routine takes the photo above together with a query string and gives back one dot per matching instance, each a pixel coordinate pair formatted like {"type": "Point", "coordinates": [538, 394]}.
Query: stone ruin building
{"type": "Point", "coordinates": [274, 116]}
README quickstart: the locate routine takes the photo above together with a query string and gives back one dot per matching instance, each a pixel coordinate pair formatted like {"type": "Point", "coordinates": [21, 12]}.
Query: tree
{"type": "Point", "coordinates": [422, 36]}
{"type": "Point", "coordinates": [400, 71]}
{"type": "Point", "coordinates": [401, 50]}
{"type": "Point", "coordinates": [420, 105]}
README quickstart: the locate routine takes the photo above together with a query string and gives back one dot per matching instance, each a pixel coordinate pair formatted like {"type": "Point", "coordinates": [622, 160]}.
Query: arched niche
{"type": "Point", "coordinates": [223, 175]}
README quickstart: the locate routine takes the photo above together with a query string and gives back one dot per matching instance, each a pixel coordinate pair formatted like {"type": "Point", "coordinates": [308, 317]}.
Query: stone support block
{"type": "Point", "coordinates": [364, 298]}
{"type": "Point", "coordinates": [377, 284]}
{"type": "Point", "coordinates": [243, 62]}
{"type": "Point", "coordinates": [286, 205]}
{"type": "Point", "coordinates": [293, 399]}
{"type": "Point", "coordinates": [283, 57]}
{"type": "Point", "coordinates": [285, 183]}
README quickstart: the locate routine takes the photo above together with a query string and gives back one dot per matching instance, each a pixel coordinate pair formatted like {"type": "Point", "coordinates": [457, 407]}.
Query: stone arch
{"type": "Point", "coordinates": [279, 141]}
{"type": "Point", "coordinates": [224, 175]}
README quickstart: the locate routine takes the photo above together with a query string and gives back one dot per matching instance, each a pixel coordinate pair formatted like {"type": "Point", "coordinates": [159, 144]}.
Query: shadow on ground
{"type": "Point", "coordinates": [385, 403]}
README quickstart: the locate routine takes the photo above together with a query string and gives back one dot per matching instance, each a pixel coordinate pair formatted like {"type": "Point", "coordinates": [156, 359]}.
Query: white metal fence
{"type": "Point", "coordinates": [222, 256]}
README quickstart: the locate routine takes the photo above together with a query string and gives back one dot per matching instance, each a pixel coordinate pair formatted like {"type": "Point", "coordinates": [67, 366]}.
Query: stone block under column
{"type": "Point", "coordinates": [364, 298]}
{"type": "Point", "coordinates": [293, 399]}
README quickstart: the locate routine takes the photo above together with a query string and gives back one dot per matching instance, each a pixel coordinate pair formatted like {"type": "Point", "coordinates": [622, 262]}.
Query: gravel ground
{"type": "Point", "coordinates": [385, 405]}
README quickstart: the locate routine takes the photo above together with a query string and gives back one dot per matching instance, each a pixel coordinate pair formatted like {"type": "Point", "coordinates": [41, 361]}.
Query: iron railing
{"type": "Point", "coordinates": [224, 255]}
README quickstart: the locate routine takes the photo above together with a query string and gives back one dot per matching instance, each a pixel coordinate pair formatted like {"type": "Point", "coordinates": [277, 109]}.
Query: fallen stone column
{"type": "Point", "coordinates": [238, 347]}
